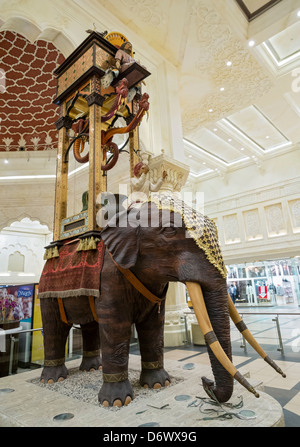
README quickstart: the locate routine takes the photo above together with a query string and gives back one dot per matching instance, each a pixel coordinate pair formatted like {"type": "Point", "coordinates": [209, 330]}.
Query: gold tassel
{"type": "Point", "coordinates": [92, 244]}
{"type": "Point", "coordinates": [55, 253]}
{"type": "Point", "coordinates": [79, 247]}
{"type": "Point", "coordinates": [88, 244]}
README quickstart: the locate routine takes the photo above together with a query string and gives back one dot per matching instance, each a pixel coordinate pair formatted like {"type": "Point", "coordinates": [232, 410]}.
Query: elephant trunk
{"type": "Point", "coordinates": [223, 369]}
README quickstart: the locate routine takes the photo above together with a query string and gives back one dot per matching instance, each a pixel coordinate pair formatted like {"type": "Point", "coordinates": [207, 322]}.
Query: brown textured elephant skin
{"type": "Point", "coordinates": [156, 255]}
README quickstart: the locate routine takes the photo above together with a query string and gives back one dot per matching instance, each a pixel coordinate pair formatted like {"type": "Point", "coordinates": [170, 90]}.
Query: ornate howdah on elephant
{"type": "Point", "coordinates": [123, 280]}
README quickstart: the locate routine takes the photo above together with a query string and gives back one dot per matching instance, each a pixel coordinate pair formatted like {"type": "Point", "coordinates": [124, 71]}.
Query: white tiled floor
{"type": "Point", "coordinates": [285, 390]}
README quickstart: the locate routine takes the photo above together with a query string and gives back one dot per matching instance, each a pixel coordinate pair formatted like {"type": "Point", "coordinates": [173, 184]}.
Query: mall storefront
{"type": "Point", "coordinates": [265, 283]}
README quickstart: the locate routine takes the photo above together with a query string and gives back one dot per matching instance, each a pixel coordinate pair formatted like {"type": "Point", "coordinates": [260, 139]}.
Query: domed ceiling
{"type": "Point", "coordinates": [28, 89]}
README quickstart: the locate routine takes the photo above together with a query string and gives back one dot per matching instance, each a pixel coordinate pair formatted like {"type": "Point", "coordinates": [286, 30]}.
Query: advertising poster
{"type": "Point", "coordinates": [20, 299]}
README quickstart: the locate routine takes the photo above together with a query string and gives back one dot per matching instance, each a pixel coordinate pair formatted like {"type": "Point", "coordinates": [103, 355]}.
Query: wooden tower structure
{"type": "Point", "coordinates": [90, 107]}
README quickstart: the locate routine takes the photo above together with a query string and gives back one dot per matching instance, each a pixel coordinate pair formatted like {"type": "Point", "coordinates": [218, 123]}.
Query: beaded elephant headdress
{"type": "Point", "coordinates": [202, 229]}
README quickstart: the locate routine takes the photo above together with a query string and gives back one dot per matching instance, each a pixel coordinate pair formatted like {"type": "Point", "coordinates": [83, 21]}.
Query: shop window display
{"type": "Point", "coordinates": [267, 283]}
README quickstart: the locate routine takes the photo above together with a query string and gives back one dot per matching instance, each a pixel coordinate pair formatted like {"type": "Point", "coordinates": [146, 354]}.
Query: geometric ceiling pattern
{"type": "Point", "coordinates": [284, 46]}
{"type": "Point", "coordinates": [249, 109]}
{"type": "Point", "coordinates": [254, 8]}
{"type": "Point", "coordinates": [26, 109]}
{"type": "Point", "coordinates": [238, 106]}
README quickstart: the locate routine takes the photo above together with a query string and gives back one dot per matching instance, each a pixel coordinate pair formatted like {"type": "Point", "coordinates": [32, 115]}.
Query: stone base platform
{"type": "Point", "coordinates": [74, 403]}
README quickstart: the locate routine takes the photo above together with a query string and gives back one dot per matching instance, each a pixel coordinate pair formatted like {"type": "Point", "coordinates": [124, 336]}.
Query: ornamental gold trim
{"type": "Point", "coordinates": [112, 378]}
{"type": "Point", "coordinates": [91, 353]}
{"type": "Point", "coordinates": [152, 365]}
{"type": "Point", "coordinates": [202, 229]}
{"type": "Point", "coordinates": [55, 362]}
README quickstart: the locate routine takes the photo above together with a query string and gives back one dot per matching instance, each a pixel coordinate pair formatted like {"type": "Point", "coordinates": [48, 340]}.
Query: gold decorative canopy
{"type": "Point", "coordinates": [202, 229]}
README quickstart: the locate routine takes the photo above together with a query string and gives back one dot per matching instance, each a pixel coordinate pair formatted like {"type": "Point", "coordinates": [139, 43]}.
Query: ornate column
{"type": "Point", "coordinates": [176, 331]}
{"type": "Point", "coordinates": [177, 172]}
{"type": "Point", "coordinates": [61, 188]}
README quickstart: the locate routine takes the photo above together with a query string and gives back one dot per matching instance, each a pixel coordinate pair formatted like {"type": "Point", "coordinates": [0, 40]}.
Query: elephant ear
{"type": "Point", "coordinates": [120, 237]}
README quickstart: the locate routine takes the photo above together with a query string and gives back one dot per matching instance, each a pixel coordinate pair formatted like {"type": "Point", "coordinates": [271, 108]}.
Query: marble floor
{"type": "Point", "coordinates": [283, 347]}
{"type": "Point", "coordinates": [285, 390]}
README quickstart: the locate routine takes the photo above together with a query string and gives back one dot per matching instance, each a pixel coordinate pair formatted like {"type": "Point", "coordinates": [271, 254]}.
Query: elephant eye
{"type": "Point", "coordinates": [169, 231]}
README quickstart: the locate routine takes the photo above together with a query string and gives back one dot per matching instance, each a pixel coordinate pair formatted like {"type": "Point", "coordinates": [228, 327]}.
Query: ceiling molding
{"type": "Point", "coordinates": [259, 11]}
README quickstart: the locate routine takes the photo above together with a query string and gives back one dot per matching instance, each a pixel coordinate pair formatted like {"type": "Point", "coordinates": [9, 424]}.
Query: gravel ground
{"type": "Point", "coordinates": [85, 386]}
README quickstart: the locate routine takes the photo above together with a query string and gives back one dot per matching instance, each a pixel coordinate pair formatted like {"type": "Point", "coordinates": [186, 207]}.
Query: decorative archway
{"type": "Point", "coordinates": [27, 112]}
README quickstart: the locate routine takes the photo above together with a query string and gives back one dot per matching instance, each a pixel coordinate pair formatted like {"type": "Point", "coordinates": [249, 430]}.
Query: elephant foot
{"type": "Point", "coordinates": [51, 374]}
{"type": "Point", "coordinates": [220, 393]}
{"type": "Point", "coordinates": [116, 394]}
{"type": "Point", "coordinates": [154, 378]}
{"type": "Point", "coordinates": [90, 363]}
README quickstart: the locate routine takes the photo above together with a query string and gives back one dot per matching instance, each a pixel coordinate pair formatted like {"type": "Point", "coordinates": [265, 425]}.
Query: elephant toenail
{"type": "Point", "coordinates": [60, 379]}
{"type": "Point", "coordinates": [92, 369]}
{"type": "Point", "coordinates": [117, 403]}
{"type": "Point", "coordinates": [156, 386]}
{"type": "Point", "coordinates": [127, 400]}
{"type": "Point", "coordinates": [146, 385]}
{"type": "Point", "coordinates": [42, 381]}
{"type": "Point", "coordinates": [105, 403]}
{"type": "Point", "coordinates": [50, 381]}
{"type": "Point", "coordinates": [100, 367]}
{"type": "Point", "coordinates": [167, 383]}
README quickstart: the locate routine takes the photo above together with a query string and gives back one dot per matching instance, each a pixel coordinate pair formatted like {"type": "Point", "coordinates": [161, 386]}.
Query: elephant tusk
{"type": "Point", "coordinates": [238, 321]}
{"type": "Point", "coordinates": [199, 306]}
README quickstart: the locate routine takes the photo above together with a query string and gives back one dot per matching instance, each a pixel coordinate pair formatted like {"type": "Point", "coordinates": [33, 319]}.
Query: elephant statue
{"type": "Point", "coordinates": [146, 247]}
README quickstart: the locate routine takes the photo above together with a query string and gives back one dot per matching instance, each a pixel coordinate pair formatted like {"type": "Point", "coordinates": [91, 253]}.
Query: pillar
{"type": "Point", "coordinates": [61, 188]}
{"type": "Point", "coordinates": [177, 309]}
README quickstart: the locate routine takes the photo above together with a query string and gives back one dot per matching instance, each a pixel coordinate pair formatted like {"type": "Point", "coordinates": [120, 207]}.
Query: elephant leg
{"type": "Point", "coordinates": [151, 340]}
{"type": "Point", "coordinates": [91, 360]}
{"type": "Point", "coordinates": [115, 334]}
{"type": "Point", "coordinates": [217, 309]}
{"type": "Point", "coordinates": [55, 333]}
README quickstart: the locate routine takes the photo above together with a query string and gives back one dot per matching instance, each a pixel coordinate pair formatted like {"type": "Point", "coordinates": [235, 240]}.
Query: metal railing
{"type": "Point", "coordinates": [276, 320]}
{"type": "Point", "coordinates": [13, 340]}
{"type": "Point", "coordinates": [244, 345]}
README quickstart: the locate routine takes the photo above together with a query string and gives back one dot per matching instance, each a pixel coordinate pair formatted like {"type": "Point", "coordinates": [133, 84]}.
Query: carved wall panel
{"type": "Point", "coordinates": [231, 229]}
{"type": "Point", "coordinates": [252, 225]}
{"type": "Point", "coordinates": [294, 207]}
{"type": "Point", "coordinates": [275, 220]}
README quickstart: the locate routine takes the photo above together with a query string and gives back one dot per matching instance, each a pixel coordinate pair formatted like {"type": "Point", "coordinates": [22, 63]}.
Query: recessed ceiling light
{"type": "Point", "coordinates": [215, 129]}
{"type": "Point", "coordinates": [267, 137]}
{"type": "Point", "coordinates": [222, 89]}
{"type": "Point", "coordinates": [228, 63]}
{"type": "Point", "coordinates": [6, 161]}
{"type": "Point", "coordinates": [242, 149]}
{"type": "Point", "coordinates": [190, 156]}
{"type": "Point", "coordinates": [298, 13]}
{"type": "Point", "coordinates": [251, 43]}
{"type": "Point", "coordinates": [204, 163]}
{"type": "Point", "coordinates": [210, 110]}
{"type": "Point", "coordinates": [229, 139]}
